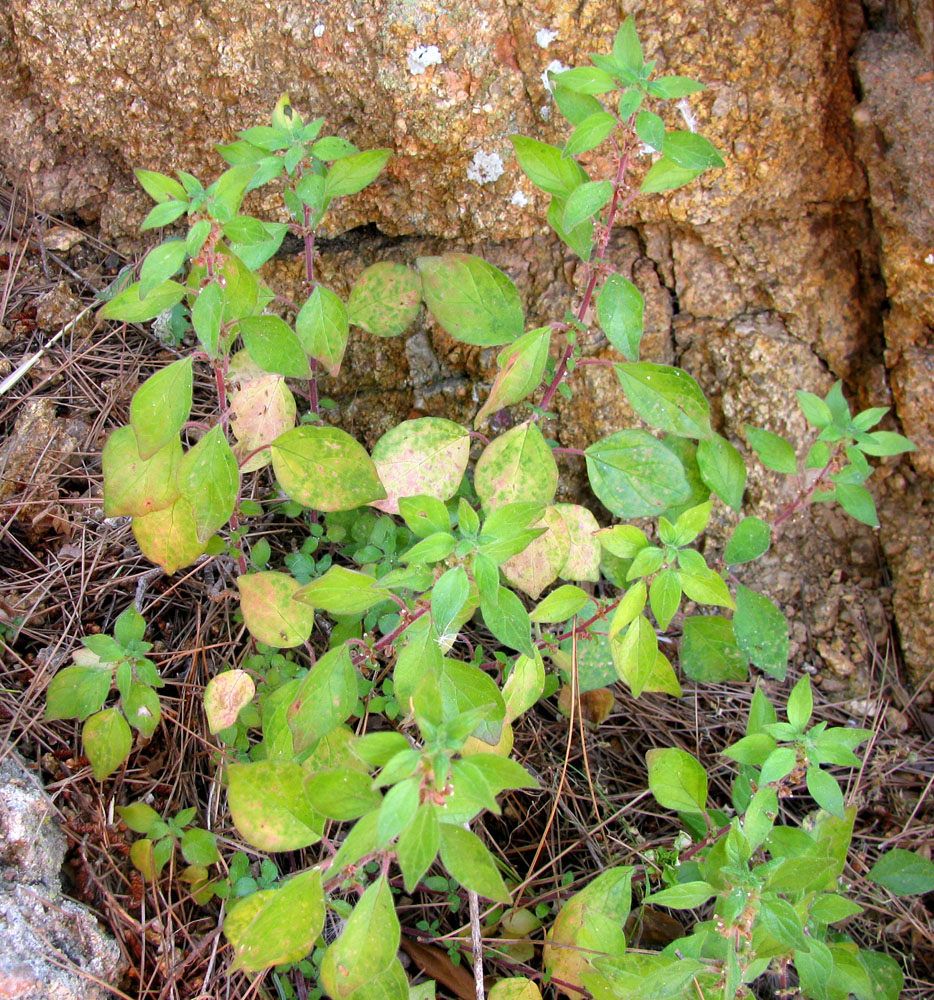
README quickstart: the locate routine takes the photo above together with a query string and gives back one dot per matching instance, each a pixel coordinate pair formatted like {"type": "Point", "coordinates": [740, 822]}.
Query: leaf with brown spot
{"type": "Point", "coordinates": [135, 486]}
{"type": "Point", "coordinates": [583, 561]}
{"type": "Point", "coordinates": [269, 611]}
{"type": "Point", "coordinates": [596, 705]}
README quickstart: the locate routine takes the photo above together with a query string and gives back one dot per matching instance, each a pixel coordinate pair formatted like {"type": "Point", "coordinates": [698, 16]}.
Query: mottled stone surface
{"type": "Point", "coordinates": [51, 948]}
{"type": "Point", "coordinates": [896, 144]}
{"type": "Point", "coordinates": [769, 275]}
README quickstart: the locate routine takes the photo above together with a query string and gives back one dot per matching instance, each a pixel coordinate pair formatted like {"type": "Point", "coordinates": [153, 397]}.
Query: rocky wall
{"type": "Point", "coordinates": [784, 270]}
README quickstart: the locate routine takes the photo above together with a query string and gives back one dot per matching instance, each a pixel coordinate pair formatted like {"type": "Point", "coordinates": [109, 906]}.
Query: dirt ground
{"type": "Point", "coordinates": [66, 571]}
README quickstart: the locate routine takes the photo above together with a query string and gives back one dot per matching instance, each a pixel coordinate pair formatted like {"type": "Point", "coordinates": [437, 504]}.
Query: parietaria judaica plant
{"type": "Point", "coordinates": [407, 544]}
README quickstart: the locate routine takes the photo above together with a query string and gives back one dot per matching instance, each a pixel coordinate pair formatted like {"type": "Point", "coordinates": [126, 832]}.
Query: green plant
{"type": "Point", "coordinates": [406, 545]}
{"type": "Point", "coordinates": [80, 691]}
{"type": "Point", "coordinates": [160, 839]}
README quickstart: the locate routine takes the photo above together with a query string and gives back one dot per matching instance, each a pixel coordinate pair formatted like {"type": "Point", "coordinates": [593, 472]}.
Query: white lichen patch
{"type": "Point", "coordinates": [485, 168]}
{"type": "Point", "coordinates": [319, 30]}
{"type": "Point", "coordinates": [555, 66]}
{"type": "Point", "coordinates": [687, 114]}
{"type": "Point", "coordinates": [421, 57]}
{"type": "Point", "coordinates": [519, 198]}
{"type": "Point", "coordinates": [929, 259]}
{"type": "Point", "coordinates": [544, 37]}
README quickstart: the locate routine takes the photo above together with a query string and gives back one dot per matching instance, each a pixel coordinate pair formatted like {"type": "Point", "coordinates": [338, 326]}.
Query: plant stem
{"type": "Point", "coordinates": [804, 497]}
{"type": "Point", "coordinates": [595, 271]}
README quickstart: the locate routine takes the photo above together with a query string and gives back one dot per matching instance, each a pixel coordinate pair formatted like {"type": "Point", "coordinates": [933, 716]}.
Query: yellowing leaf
{"type": "Point", "coordinates": [135, 486]}
{"type": "Point", "coordinates": [423, 457]}
{"type": "Point", "coordinates": [261, 410]}
{"type": "Point", "coordinates": [537, 565]}
{"type": "Point", "coordinates": [169, 537]}
{"type": "Point", "coordinates": [270, 613]}
{"type": "Point", "coordinates": [225, 695]}
{"type": "Point", "coordinates": [518, 465]}
{"type": "Point", "coordinates": [583, 559]}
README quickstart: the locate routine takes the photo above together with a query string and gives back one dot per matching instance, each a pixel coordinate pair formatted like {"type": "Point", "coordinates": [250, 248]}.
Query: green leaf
{"type": "Point", "coordinates": [325, 468]}
{"type": "Point", "coordinates": [142, 709]}
{"type": "Point", "coordinates": [779, 764]}
{"type": "Point", "coordinates": [468, 861]}
{"type": "Point", "coordinates": [751, 539]}
{"type": "Point", "coordinates": [650, 129]}
{"type": "Point", "coordinates": [545, 167]}
{"type": "Point", "coordinates": [685, 896]}
{"type": "Point", "coordinates": [228, 191]}
{"type": "Point", "coordinates": [774, 451]}
{"type": "Point", "coordinates": [691, 151]}
{"type": "Point", "coordinates": [670, 88]}
{"type": "Point", "coordinates": [353, 173]}
{"type": "Point", "coordinates": [199, 847]}
{"type": "Point", "coordinates": [677, 780]}
{"type": "Point", "coordinates": [761, 631]}
{"type": "Point", "coordinates": [276, 926]}
{"type": "Point", "coordinates": [164, 215]}
{"type": "Point", "coordinates": [580, 238]}
{"type": "Point", "coordinates": [635, 475]}
{"type": "Point", "coordinates": [885, 976]}
{"type": "Point", "coordinates": [273, 345]}
{"type": "Point", "coordinates": [366, 948]}
{"type": "Point", "coordinates": [471, 299]}
{"type": "Point", "coordinates": [560, 605]}
{"type": "Point", "coordinates": [882, 443]}
{"type": "Point", "coordinates": [585, 202]}
{"type": "Point", "coordinates": [722, 469]}
{"type": "Point", "coordinates": [322, 328]}
{"type": "Point", "coordinates": [816, 411]}
{"type": "Point", "coordinates": [627, 49]}
{"type": "Point", "coordinates": [77, 692]}
{"type": "Point", "coordinates": [160, 407]}
{"type": "Point", "coordinates": [628, 608]}
{"type": "Point", "coordinates": [620, 308]}
{"type": "Point", "coordinates": [520, 371]}
{"type": "Point", "coordinates": [268, 805]}
{"type": "Point", "coordinates": [159, 187]}
{"type": "Point", "coordinates": [815, 969]}
{"type": "Point", "coordinates": [517, 465]}
{"type": "Point", "coordinates": [448, 597]}
{"type": "Point", "coordinates": [779, 919]}
{"type": "Point", "coordinates": [857, 501]}
{"type": "Point", "coordinates": [903, 873]}
{"type": "Point", "coordinates": [635, 654]}
{"type": "Point", "coordinates": [508, 620]}
{"type": "Point", "coordinates": [585, 80]}
{"type": "Point", "coordinates": [665, 597]}
{"type": "Point", "coordinates": [326, 697]}
{"type": "Point", "coordinates": [425, 457]}
{"type": "Point", "coordinates": [206, 316]}
{"type": "Point", "coordinates": [385, 299]}
{"type": "Point", "coordinates": [130, 626]}
{"type": "Point", "coordinates": [432, 549]}
{"type": "Point", "coordinates": [575, 107]}
{"type": "Point", "coordinates": [161, 263]}
{"type": "Point", "coordinates": [700, 583]}
{"type": "Point", "coordinates": [586, 136]}
{"type": "Point", "coordinates": [342, 794]}
{"type": "Point", "coordinates": [107, 741]}
{"type": "Point", "coordinates": [333, 148]}
{"type": "Point", "coordinates": [128, 307]}
{"type": "Point", "coordinates": [418, 846]}
{"type": "Point", "coordinates": [709, 651]}
{"type": "Point", "coordinates": [524, 685]}
{"type": "Point", "coordinates": [342, 591]}
{"type": "Point", "coordinates": [800, 704]}
{"type": "Point", "coordinates": [138, 816]}
{"type": "Point", "coordinates": [666, 398]}
{"type": "Point", "coordinates": [169, 536]}
{"type": "Point", "coordinates": [208, 476]}
{"type": "Point", "coordinates": [666, 175]}
{"type": "Point", "coordinates": [825, 791]}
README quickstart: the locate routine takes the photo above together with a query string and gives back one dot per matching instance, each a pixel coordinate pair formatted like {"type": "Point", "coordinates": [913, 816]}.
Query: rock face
{"type": "Point", "coordinates": [769, 275]}
{"type": "Point", "coordinates": [51, 948]}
